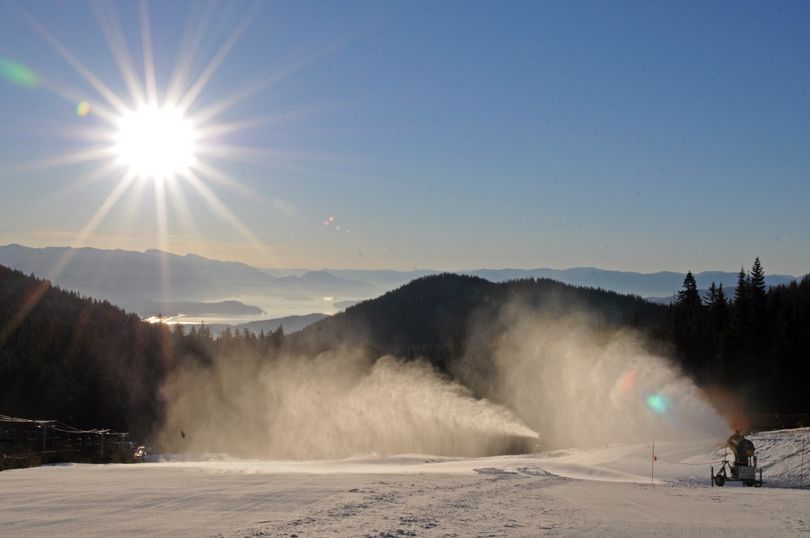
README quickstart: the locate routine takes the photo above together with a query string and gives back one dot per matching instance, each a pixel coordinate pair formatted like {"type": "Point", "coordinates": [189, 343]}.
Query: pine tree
{"type": "Point", "coordinates": [717, 327]}
{"type": "Point", "coordinates": [757, 278]}
{"type": "Point", "coordinates": [722, 301]}
{"type": "Point", "coordinates": [758, 298]}
{"type": "Point", "coordinates": [689, 327]}
{"type": "Point", "coordinates": [688, 296]}
{"type": "Point", "coordinates": [711, 295]}
{"type": "Point", "coordinates": [742, 302]}
{"type": "Point", "coordinates": [744, 355]}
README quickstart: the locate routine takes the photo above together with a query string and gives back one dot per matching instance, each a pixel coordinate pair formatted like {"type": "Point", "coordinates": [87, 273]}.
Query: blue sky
{"type": "Point", "coordinates": [628, 135]}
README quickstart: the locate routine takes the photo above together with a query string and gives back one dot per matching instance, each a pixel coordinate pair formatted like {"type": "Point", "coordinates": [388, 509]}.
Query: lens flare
{"type": "Point", "coordinates": [83, 109]}
{"type": "Point", "coordinates": [658, 402]}
{"type": "Point", "coordinates": [627, 381]}
{"type": "Point", "coordinates": [18, 74]}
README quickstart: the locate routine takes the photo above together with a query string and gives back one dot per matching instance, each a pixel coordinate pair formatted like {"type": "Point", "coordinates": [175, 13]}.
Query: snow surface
{"type": "Point", "coordinates": [603, 491]}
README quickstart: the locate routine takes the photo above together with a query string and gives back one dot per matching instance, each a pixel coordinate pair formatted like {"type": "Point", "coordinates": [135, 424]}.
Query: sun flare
{"type": "Point", "coordinates": [155, 142]}
{"type": "Point", "coordinates": [158, 132]}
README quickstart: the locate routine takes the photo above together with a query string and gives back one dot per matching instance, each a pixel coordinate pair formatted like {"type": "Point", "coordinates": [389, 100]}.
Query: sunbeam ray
{"type": "Point", "coordinates": [211, 111]}
{"type": "Point", "coordinates": [163, 239]}
{"type": "Point", "coordinates": [192, 37]}
{"type": "Point", "coordinates": [96, 175]}
{"type": "Point", "coordinates": [73, 157]}
{"type": "Point", "coordinates": [115, 195]}
{"type": "Point", "coordinates": [180, 207]}
{"type": "Point", "coordinates": [132, 218]}
{"type": "Point", "coordinates": [73, 133]}
{"type": "Point", "coordinates": [217, 129]}
{"type": "Point", "coordinates": [211, 171]}
{"type": "Point", "coordinates": [74, 96]}
{"type": "Point", "coordinates": [186, 101]}
{"type": "Point", "coordinates": [116, 40]}
{"type": "Point", "coordinates": [149, 78]}
{"type": "Point", "coordinates": [33, 299]}
{"type": "Point", "coordinates": [88, 76]}
{"type": "Point", "coordinates": [217, 108]}
{"type": "Point", "coordinates": [240, 153]}
{"type": "Point", "coordinates": [222, 210]}
{"type": "Point", "coordinates": [28, 304]}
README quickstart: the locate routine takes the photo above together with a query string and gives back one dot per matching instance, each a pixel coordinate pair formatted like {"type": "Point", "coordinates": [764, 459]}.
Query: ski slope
{"type": "Point", "coordinates": [603, 491]}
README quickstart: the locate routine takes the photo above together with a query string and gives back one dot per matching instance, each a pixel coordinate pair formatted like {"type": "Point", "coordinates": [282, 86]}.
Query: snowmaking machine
{"type": "Point", "coordinates": [744, 467]}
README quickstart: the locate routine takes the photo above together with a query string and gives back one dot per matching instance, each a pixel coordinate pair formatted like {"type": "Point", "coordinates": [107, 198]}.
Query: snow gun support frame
{"type": "Point", "coordinates": [744, 467]}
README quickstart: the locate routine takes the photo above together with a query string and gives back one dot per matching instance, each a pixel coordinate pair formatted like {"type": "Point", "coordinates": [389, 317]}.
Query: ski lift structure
{"type": "Point", "coordinates": [744, 466]}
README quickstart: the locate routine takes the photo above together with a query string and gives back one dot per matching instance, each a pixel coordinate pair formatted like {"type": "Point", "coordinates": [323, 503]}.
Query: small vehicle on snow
{"type": "Point", "coordinates": [743, 468]}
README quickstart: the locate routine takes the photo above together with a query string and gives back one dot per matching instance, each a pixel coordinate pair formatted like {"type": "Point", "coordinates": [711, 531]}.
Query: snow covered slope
{"type": "Point", "coordinates": [603, 491]}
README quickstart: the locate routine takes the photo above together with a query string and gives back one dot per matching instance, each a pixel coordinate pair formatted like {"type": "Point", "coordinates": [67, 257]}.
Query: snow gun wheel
{"type": "Point", "coordinates": [720, 480]}
{"type": "Point", "coordinates": [748, 483]}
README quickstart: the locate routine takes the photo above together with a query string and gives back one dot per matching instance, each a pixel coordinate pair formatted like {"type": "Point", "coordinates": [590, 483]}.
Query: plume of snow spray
{"type": "Point", "coordinates": [568, 377]}
{"type": "Point", "coordinates": [337, 404]}
{"type": "Point", "coordinates": [579, 384]}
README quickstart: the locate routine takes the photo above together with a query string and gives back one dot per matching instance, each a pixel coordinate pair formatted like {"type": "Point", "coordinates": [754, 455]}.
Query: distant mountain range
{"type": "Point", "coordinates": [137, 280]}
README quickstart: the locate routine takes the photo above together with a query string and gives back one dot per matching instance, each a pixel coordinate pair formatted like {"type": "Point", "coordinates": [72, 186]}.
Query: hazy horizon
{"type": "Point", "coordinates": [409, 269]}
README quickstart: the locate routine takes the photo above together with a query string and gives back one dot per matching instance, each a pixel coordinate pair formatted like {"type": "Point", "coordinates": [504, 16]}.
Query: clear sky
{"type": "Point", "coordinates": [627, 135]}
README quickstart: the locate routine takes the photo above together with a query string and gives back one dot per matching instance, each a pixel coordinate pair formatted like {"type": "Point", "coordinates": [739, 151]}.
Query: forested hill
{"type": "Point", "coordinates": [75, 359]}
{"type": "Point", "coordinates": [753, 340]}
{"type": "Point", "coordinates": [434, 316]}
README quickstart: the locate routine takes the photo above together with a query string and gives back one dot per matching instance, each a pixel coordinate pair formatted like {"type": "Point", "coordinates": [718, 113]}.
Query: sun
{"type": "Point", "coordinates": [155, 142]}
{"type": "Point", "coordinates": [163, 134]}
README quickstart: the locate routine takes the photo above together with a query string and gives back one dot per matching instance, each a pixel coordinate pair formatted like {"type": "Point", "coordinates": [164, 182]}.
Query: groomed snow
{"type": "Point", "coordinates": [603, 491]}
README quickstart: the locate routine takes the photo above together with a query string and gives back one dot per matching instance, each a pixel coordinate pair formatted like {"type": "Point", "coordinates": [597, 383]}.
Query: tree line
{"type": "Point", "coordinates": [754, 340]}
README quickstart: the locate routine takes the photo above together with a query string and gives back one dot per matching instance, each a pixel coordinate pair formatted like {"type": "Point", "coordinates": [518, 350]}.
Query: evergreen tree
{"type": "Point", "coordinates": [717, 327]}
{"type": "Point", "coordinates": [711, 295]}
{"type": "Point", "coordinates": [757, 280]}
{"type": "Point", "coordinates": [722, 301]}
{"type": "Point", "coordinates": [758, 299]}
{"type": "Point", "coordinates": [689, 329]}
{"type": "Point", "coordinates": [742, 302]}
{"type": "Point", "coordinates": [276, 338]}
{"type": "Point", "coordinates": [689, 297]}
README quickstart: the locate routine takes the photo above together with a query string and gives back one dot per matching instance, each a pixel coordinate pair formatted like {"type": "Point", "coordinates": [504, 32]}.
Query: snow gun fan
{"type": "Point", "coordinates": [743, 468]}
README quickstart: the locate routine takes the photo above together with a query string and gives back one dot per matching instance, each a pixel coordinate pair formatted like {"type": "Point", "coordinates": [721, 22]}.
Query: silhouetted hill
{"type": "Point", "coordinates": [78, 360]}
{"type": "Point", "coordinates": [92, 365]}
{"type": "Point", "coordinates": [434, 316]}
